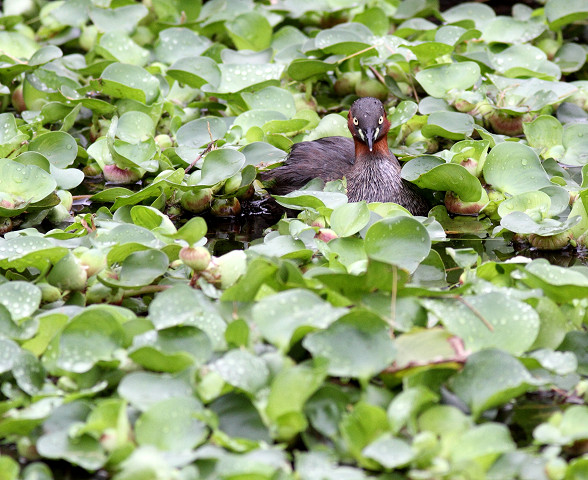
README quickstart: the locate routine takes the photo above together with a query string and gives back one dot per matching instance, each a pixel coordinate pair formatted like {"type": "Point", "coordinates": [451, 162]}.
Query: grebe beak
{"type": "Point", "coordinates": [369, 138]}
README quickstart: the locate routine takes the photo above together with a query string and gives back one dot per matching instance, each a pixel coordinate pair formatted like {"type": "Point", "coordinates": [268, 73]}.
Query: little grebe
{"type": "Point", "coordinates": [372, 171]}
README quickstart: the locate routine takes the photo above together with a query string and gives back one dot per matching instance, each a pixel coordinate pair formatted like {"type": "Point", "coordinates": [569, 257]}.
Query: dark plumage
{"type": "Point", "coordinates": [372, 171]}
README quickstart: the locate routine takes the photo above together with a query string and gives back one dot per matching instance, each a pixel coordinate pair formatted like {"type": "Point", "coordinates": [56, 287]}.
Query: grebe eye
{"type": "Point", "coordinates": [381, 120]}
{"type": "Point", "coordinates": [355, 121]}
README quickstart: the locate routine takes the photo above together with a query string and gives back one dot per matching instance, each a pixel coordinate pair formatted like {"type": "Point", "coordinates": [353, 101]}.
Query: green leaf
{"type": "Point", "coordinates": [349, 218]}
{"type": "Point", "coordinates": [59, 148]}
{"type": "Point", "coordinates": [171, 349]}
{"type": "Point", "coordinates": [182, 305]}
{"type": "Point", "coordinates": [138, 269]}
{"type": "Point", "coordinates": [120, 80]}
{"type": "Point", "coordinates": [510, 379]}
{"type": "Point", "coordinates": [481, 321]}
{"type": "Point", "coordinates": [305, 312]}
{"type": "Point", "coordinates": [118, 19]}
{"type": "Point", "coordinates": [179, 43]}
{"type": "Point", "coordinates": [289, 391]}
{"type": "Point", "coordinates": [483, 442]}
{"type": "Point", "coordinates": [90, 337]}
{"type": "Point", "coordinates": [439, 80]}
{"type": "Point", "coordinates": [356, 346]}
{"type": "Point", "coordinates": [195, 71]}
{"type": "Point", "coordinates": [242, 370]}
{"type": "Point", "coordinates": [144, 389]}
{"type": "Point", "coordinates": [514, 168]}
{"type": "Point", "coordinates": [170, 425]}
{"type": "Point", "coordinates": [21, 299]}
{"type": "Point", "coordinates": [390, 452]}
{"type": "Point", "coordinates": [400, 241]}
{"type": "Point", "coordinates": [219, 165]}
{"type": "Point", "coordinates": [452, 125]}
{"type": "Point", "coordinates": [504, 29]}
{"type": "Point", "coordinates": [121, 48]}
{"type": "Point", "coordinates": [559, 12]}
{"type": "Point", "coordinates": [21, 185]}
{"type": "Point", "coordinates": [250, 31]}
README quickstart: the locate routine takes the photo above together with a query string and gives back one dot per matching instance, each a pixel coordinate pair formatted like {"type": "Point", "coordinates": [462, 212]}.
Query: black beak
{"type": "Point", "coordinates": [369, 138]}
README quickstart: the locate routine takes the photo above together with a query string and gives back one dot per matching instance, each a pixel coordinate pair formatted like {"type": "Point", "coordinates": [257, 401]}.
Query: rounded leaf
{"type": "Point", "coordinates": [400, 241]}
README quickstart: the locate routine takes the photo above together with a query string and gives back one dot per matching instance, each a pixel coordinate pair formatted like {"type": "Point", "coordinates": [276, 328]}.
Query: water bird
{"type": "Point", "coordinates": [371, 169]}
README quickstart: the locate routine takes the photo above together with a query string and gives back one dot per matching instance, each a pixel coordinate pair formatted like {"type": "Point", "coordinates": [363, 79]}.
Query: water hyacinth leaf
{"type": "Point", "coordinates": [193, 230]}
{"type": "Point", "coordinates": [21, 299]}
{"type": "Point", "coordinates": [439, 80]}
{"type": "Point", "coordinates": [289, 391]}
{"type": "Point", "coordinates": [195, 71]}
{"type": "Point", "coordinates": [10, 136]}
{"type": "Point", "coordinates": [520, 222]}
{"type": "Point", "coordinates": [242, 370]}
{"type": "Point", "coordinates": [21, 185]}
{"type": "Point", "coordinates": [257, 118]}
{"type": "Point", "coordinates": [510, 379]}
{"type": "Point", "coordinates": [524, 60]}
{"type": "Point", "coordinates": [120, 80]}
{"type": "Point", "coordinates": [28, 373]}
{"type": "Point", "coordinates": [545, 132]}
{"type": "Point", "coordinates": [426, 52]}
{"type": "Point", "coordinates": [8, 354]}
{"type": "Point", "coordinates": [82, 450]}
{"type": "Point", "coordinates": [179, 43]}
{"type": "Point", "coordinates": [390, 452]}
{"type": "Point", "coordinates": [452, 125]}
{"type": "Point", "coordinates": [488, 321]}
{"type": "Point", "coordinates": [570, 427]}
{"type": "Point", "coordinates": [300, 311]}
{"type": "Point", "coordinates": [138, 269]}
{"type": "Point", "coordinates": [300, 199]}
{"type": "Point", "coordinates": [121, 48]}
{"type": "Point", "coordinates": [171, 425]}
{"type": "Point", "coordinates": [9, 468]}
{"type": "Point", "coordinates": [400, 241]}
{"type": "Point", "coordinates": [532, 94]}
{"type": "Point", "coordinates": [250, 31]}
{"type": "Point", "coordinates": [575, 141]}
{"type": "Point", "coordinates": [356, 345]}
{"type": "Point", "coordinates": [330, 125]}
{"type": "Point", "coordinates": [196, 132]}
{"type": "Point", "coordinates": [349, 219]}
{"type": "Point", "coordinates": [123, 19]}
{"type": "Point", "coordinates": [304, 68]}
{"type": "Point", "coordinates": [363, 425]}
{"type": "Point", "coordinates": [59, 148]}
{"type": "Point", "coordinates": [144, 389]}
{"type": "Point", "coordinates": [171, 349]}
{"type": "Point", "coordinates": [481, 442]}
{"type": "Point", "coordinates": [220, 164]}
{"type": "Point", "coordinates": [271, 98]}
{"type": "Point", "coordinates": [236, 77]}
{"type": "Point", "coordinates": [510, 30]}
{"type": "Point", "coordinates": [570, 57]}
{"type": "Point", "coordinates": [536, 204]}
{"type": "Point", "coordinates": [560, 284]}
{"type": "Point", "coordinates": [134, 127]}
{"type": "Point", "coordinates": [90, 337]}
{"type": "Point", "coordinates": [182, 305]}
{"type": "Point", "coordinates": [23, 252]}
{"type": "Point", "coordinates": [514, 168]}
{"type": "Point", "coordinates": [479, 13]}
{"type": "Point", "coordinates": [559, 12]}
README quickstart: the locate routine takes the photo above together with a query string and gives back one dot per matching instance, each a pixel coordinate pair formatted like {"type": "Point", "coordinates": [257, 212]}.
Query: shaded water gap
{"type": "Point", "coordinates": [260, 214]}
